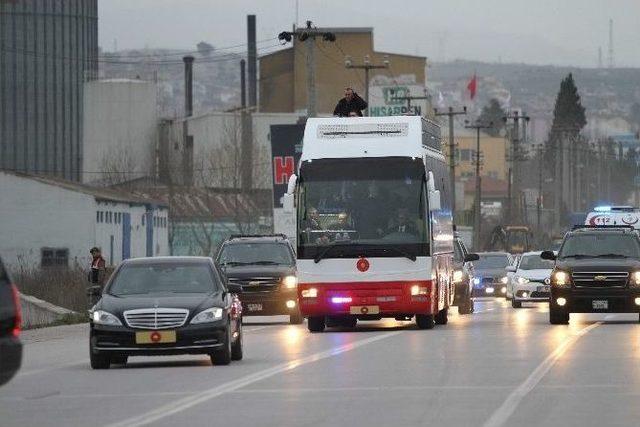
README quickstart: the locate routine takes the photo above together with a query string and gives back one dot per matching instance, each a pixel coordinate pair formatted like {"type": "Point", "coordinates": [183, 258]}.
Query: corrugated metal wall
{"type": "Point", "coordinates": [47, 49]}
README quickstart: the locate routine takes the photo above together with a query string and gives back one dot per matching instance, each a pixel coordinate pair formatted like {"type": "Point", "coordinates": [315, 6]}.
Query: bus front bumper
{"type": "Point", "coordinates": [368, 299]}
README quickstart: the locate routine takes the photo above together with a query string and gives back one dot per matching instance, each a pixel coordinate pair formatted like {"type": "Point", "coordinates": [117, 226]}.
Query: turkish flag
{"type": "Point", "coordinates": [472, 86]}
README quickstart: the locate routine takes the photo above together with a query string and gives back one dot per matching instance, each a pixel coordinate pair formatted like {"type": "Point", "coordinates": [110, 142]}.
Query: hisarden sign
{"type": "Point", "coordinates": [388, 100]}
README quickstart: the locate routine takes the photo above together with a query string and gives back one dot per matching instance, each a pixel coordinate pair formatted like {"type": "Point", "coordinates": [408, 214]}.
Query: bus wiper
{"type": "Point", "coordinates": [329, 248]}
{"type": "Point", "coordinates": [403, 253]}
{"type": "Point", "coordinates": [263, 263]}
{"type": "Point", "coordinates": [577, 256]}
{"type": "Point", "coordinates": [237, 263]}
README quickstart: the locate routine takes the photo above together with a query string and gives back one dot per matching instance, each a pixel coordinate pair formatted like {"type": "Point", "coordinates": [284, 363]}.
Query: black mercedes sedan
{"type": "Point", "coordinates": [166, 306]}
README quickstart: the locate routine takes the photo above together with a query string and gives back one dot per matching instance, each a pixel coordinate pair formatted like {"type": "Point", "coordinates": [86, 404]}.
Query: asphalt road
{"type": "Point", "coordinates": [497, 367]}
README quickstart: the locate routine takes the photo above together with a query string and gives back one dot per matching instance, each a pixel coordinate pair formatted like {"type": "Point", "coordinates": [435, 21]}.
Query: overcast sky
{"type": "Point", "coordinates": [563, 32]}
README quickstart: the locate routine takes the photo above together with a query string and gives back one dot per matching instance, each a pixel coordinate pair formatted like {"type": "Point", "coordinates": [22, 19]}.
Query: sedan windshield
{"type": "Point", "coordinates": [136, 279]}
{"type": "Point", "coordinates": [534, 262]}
{"type": "Point", "coordinates": [600, 245]}
{"type": "Point", "coordinates": [255, 254]}
{"type": "Point", "coordinates": [491, 261]}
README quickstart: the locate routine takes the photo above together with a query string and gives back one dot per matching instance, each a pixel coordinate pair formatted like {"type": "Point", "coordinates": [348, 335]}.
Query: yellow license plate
{"type": "Point", "coordinates": [155, 337]}
{"type": "Point", "coordinates": [364, 309]}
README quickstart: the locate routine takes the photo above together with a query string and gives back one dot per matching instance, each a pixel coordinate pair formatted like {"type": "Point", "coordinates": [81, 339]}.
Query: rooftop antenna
{"type": "Point", "coordinates": [611, 61]}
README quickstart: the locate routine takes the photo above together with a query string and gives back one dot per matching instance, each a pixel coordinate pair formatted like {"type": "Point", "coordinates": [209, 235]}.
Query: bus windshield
{"type": "Point", "coordinates": [370, 206]}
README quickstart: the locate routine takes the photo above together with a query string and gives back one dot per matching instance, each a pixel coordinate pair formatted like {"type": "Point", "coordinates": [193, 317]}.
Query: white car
{"type": "Point", "coordinates": [529, 281]}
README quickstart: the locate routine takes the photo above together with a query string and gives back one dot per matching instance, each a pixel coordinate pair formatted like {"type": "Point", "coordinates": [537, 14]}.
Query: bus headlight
{"type": "Point", "coordinates": [504, 280]}
{"type": "Point", "coordinates": [458, 275]}
{"type": "Point", "coordinates": [419, 290]}
{"type": "Point", "coordinates": [290, 282]}
{"type": "Point", "coordinates": [560, 278]}
{"type": "Point", "coordinates": [309, 293]}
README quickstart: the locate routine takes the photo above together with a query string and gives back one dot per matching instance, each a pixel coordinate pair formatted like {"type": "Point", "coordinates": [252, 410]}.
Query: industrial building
{"type": "Point", "coordinates": [48, 49]}
{"type": "Point", "coordinates": [283, 74]}
{"type": "Point", "coordinates": [52, 222]}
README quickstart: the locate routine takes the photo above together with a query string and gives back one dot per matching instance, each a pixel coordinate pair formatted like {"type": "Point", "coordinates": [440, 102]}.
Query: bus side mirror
{"type": "Point", "coordinates": [287, 203]}
{"type": "Point", "coordinates": [434, 200]}
{"type": "Point", "coordinates": [548, 255]}
{"type": "Point", "coordinates": [291, 186]}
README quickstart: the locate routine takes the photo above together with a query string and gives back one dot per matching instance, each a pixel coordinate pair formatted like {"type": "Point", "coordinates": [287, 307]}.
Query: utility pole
{"type": "Point", "coordinates": [252, 58]}
{"type": "Point", "coordinates": [187, 156]}
{"type": "Point", "coordinates": [451, 113]}
{"type": "Point", "coordinates": [539, 198]}
{"type": "Point", "coordinates": [309, 35]}
{"type": "Point", "coordinates": [515, 157]}
{"type": "Point", "coordinates": [477, 217]}
{"type": "Point", "coordinates": [410, 98]}
{"type": "Point", "coordinates": [366, 66]}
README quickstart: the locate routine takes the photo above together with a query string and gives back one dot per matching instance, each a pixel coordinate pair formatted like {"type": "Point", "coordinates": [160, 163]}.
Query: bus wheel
{"type": "Point", "coordinates": [316, 323]}
{"type": "Point", "coordinates": [425, 321]}
{"type": "Point", "coordinates": [442, 318]}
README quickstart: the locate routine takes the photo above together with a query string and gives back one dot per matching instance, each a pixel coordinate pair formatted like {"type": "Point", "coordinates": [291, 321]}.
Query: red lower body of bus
{"type": "Point", "coordinates": [369, 299]}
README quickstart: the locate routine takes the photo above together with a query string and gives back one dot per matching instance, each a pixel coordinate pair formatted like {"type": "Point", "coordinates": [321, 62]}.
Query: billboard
{"type": "Point", "coordinates": [385, 97]}
{"type": "Point", "coordinates": [286, 148]}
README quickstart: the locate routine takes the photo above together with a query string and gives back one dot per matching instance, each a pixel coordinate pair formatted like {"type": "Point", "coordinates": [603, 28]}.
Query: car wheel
{"type": "Point", "coordinates": [442, 318]}
{"type": "Point", "coordinates": [516, 304]}
{"type": "Point", "coordinates": [558, 317]}
{"type": "Point", "coordinates": [467, 306]}
{"type": "Point", "coordinates": [223, 355]}
{"type": "Point", "coordinates": [425, 321]}
{"type": "Point", "coordinates": [120, 360]}
{"type": "Point", "coordinates": [236, 348]}
{"type": "Point", "coordinates": [98, 359]}
{"type": "Point", "coordinates": [296, 318]}
{"type": "Point", "coordinates": [316, 324]}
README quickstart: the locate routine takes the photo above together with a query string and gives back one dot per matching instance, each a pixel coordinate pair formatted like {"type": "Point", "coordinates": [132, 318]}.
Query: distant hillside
{"type": "Point", "coordinates": [606, 94]}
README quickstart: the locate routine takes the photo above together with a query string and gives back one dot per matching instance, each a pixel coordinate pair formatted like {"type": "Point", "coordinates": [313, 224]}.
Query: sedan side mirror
{"type": "Point", "coordinates": [234, 288]}
{"type": "Point", "coordinates": [548, 255]}
{"type": "Point", "coordinates": [471, 257]}
{"type": "Point", "coordinates": [511, 269]}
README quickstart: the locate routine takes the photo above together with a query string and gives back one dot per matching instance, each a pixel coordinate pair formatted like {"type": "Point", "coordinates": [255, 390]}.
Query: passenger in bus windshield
{"type": "Point", "coordinates": [401, 223]}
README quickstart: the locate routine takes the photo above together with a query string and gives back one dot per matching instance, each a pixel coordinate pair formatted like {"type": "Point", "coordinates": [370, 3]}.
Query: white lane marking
{"type": "Point", "coordinates": [258, 328]}
{"type": "Point", "coordinates": [51, 368]}
{"type": "Point", "coordinates": [508, 407]}
{"type": "Point", "coordinates": [201, 397]}
{"type": "Point", "coordinates": [371, 388]}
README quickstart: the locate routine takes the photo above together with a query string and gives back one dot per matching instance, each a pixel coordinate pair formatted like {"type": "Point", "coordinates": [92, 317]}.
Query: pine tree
{"type": "Point", "coordinates": [493, 112]}
{"type": "Point", "coordinates": [568, 113]}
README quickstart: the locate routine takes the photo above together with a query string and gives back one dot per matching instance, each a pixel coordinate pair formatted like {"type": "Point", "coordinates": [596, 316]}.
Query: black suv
{"type": "Point", "coordinates": [265, 267]}
{"type": "Point", "coordinates": [597, 270]}
{"type": "Point", "coordinates": [10, 346]}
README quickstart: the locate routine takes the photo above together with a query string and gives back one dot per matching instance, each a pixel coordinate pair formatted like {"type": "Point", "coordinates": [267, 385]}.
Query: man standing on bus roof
{"type": "Point", "coordinates": [351, 105]}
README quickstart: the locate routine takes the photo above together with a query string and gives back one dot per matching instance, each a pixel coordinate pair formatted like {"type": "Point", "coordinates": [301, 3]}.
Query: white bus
{"type": "Point", "coordinates": [374, 223]}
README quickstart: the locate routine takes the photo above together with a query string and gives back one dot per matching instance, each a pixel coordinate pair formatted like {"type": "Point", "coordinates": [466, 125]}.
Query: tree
{"type": "Point", "coordinates": [568, 113]}
{"type": "Point", "coordinates": [205, 49]}
{"type": "Point", "coordinates": [634, 115]}
{"type": "Point", "coordinates": [493, 112]}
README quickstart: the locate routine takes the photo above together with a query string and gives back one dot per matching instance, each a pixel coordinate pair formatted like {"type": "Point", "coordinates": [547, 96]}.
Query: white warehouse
{"type": "Point", "coordinates": [48, 221]}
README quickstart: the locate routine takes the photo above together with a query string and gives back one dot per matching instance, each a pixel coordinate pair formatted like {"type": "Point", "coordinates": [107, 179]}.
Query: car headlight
{"type": "Point", "coordinates": [560, 278]}
{"type": "Point", "coordinates": [476, 281]}
{"type": "Point", "coordinates": [522, 280]}
{"type": "Point", "coordinates": [207, 316]}
{"type": "Point", "coordinates": [635, 278]}
{"type": "Point", "coordinates": [290, 282]}
{"type": "Point", "coordinates": [504, 280]}
{"type": "Point", "coordinates": [101, 317]}
{"type": "Point", "coordinates": [458, 275]}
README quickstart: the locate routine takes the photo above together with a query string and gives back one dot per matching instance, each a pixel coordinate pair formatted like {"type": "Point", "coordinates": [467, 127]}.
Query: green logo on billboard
{"type": "Point", "coordinates": [395, 92]}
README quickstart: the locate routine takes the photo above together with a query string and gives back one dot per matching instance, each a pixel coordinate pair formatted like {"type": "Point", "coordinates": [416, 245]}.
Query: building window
{"type": "Point", "coordinates": [55, 257]}
{"type": "Point", "coordinates": [101, 217]}
{"type": "Point", "coordinates": [465, 155]}
{"type": "Point", "coordinates": [97, 216]}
